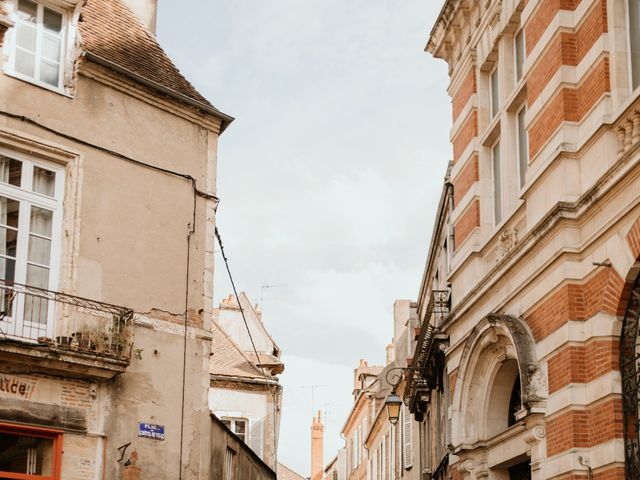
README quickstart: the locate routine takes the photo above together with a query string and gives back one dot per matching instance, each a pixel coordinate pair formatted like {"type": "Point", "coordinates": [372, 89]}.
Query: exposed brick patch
{"type": "Point", "coordinates": [633, 238]}
{"type": "Point", "coordinates": [468, 130]}
{"type": "Point", "coordinates": [463, 94]}
{"type": "Point", "coordinates": [75, 393]}
{"type": "Point", "coordinates": [467, 223]}
{"type": "Point", "coordinates": [569, 104]}
{"type": "Point", "coordinates": [585, 428]}
{"type": "Point", "coordinates": [582, 363]}
{"type": "Point", "coordinates": [465, 179]}
{"type": "Point", "coordinates": [540, 19]}
{"type": "Point", "coordinates": [573, 301]}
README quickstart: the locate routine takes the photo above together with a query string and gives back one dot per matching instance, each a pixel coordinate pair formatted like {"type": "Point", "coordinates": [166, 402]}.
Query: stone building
{"type": "Point", "coordinates": [107, 214]}
{"type": "Point", "coordinates": [529, 302]}
{"type": "Point", "coordinates": [245, 392]}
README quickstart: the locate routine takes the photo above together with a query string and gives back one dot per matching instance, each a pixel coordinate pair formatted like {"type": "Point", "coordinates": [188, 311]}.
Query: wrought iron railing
{"type": "Point", "coordinates": [44, 317]}
{"type": "Point", "coordinates": [437, 308]}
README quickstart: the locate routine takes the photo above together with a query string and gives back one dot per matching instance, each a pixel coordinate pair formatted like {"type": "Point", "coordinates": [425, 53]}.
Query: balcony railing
{"type": "Point", "coordinates": [64, 322]}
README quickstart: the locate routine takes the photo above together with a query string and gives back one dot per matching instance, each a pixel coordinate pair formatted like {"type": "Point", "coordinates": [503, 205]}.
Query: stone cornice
{"type": "Point", "coordinates": [439, 29]}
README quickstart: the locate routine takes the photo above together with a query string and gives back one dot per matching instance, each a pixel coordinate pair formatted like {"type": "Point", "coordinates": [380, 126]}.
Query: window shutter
{"type": "Point", "coordinates": [256, 437]}
{"type": "Point", "coordinates": [407, 440]}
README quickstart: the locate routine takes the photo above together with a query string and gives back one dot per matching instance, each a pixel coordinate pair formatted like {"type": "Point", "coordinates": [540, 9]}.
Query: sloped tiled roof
{"type": "Point", "coordinates": [111, 31]}
{"type": "Point", "coordinates": [228, 360]}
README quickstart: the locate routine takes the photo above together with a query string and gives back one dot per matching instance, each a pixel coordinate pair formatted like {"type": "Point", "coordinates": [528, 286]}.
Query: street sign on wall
{"type": "Point", "coordinates": [151, 430]}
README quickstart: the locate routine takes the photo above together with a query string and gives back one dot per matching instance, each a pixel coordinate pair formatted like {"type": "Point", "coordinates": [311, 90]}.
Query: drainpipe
{"type": "Point", "coordinates": [584, 461]}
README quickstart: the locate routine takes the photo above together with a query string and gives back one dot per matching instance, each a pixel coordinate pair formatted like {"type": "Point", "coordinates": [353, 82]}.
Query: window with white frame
{"type": "Point", "coordinates": [237, 426]}
{"type": "Point", "coordinates": [31, 196]}
{"type": "Point", "coordinates": [523, 146]}
{"type": "Point", "coordinates": [497, 186]}
{"type": "Point", "coordinates": [494, 92]}
{"type": "Point", "coordinates": [37, 43]}
{"type": "Point", "coordinates": [519, 53]}
{"type": "Point", "coordinates": [634, 41]}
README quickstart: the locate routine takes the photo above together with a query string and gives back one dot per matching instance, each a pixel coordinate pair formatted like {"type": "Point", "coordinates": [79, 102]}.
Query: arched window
{"type": "Point", "coordinates": [630, 371]}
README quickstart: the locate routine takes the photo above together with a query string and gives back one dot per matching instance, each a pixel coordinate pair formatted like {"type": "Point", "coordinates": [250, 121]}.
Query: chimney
{"type": "Point", "coordinates": [146, 11]}
{"type": "Point", "coordinates": [317, 448]}
{"type": "Point", "coordinates": [390, 353]}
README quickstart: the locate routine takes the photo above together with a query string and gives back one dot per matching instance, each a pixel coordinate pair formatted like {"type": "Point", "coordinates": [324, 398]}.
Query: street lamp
{"type": "Point", "coordinates": [393, 401]}
{"type": "Point", "coordinates": [393, 404]}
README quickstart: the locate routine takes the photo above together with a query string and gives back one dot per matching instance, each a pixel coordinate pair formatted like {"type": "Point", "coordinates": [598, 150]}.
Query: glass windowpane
{"type": "Point", "coordinates": [523, 147]}
{"type": "Point", "coordinates": [25, 63]}
{"type": "Point", "coordinates": [37, 276]}
{"type": "Point", "coordinates": [51, 47]}
{"type": "Point", "coordinates": [634, 41]}
{"type": "Point", "coordinates": [41, 221]}
{"type": "Point", "coordinates": [44, 181]}
{"type": "Point", "coordinates": [27, 11]}
{"type": "Point", "coordinates": [49, 73]}
{"type": "Point", "coordinates": [9, 212]}
{"type": "Point", "coordinates": [26, 37]}
{"type": "Point", "coordinates": [39, 250]}
{"type": "Point", "coordinates": [8, 241]}
{"type": "Point", "coordinates": [27, 455]}
{"type": "Point", "coordinates": [7, 269]}
{"type": "Point", "coordinates": [52, 21]}
{"type": "Point", "coordinates": [10, 171]}
{"type": "Point", "coordinates": [495, 93]}
{"type": "Point", "coordinates": [497, 190]}
{"type": "Point", "coordinates": [519, 53]}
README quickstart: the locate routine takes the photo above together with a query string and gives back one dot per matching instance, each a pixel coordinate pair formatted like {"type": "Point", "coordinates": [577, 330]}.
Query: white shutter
{"type": "Point", "coordinates": [407, 440]}
{"type": "Point", "coordinates": [256, 437]}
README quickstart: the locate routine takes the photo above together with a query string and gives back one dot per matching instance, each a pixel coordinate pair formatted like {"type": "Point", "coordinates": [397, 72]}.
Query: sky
{"type": "Point", "coordinates": [329, 177]}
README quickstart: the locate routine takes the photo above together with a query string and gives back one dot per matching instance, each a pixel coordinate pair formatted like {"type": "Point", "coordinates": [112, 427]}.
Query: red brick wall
{"type": "Point", "coordinates": [542, 16]}
{"type": "Point", "coordinates": [573, 301]}
{"type": "Point", "coordinates": [582, 363]}
{"type": "Point", "coordinates": [585, 428]}
{"type": "Point", "coordinates": [465, 179]}
{"type": "Point", "coordinates": [467, 222]}
{"type": "Point", "coordinates": [468, 130]}
{"type": "Point", "coordinates": [464, 92]}
{"type": "Point", "coordinates": [561, 51]}
{"type": "Point", "coordinates": [569, 104]}
{"type": "Point", "coordinates": [633, 238]}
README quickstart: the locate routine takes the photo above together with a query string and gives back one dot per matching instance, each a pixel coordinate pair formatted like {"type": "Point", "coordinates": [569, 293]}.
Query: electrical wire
{"type": "Point", "coordinates": [255, 350]}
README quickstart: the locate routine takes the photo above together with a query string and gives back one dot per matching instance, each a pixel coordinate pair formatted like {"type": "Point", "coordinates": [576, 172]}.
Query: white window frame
{"type": "Point", "coordinates": [522, 172]}
{"type": "Point", "coordinates": [232, 426]}
{"type": "Point", "coordinates": [494, 95]}
{"type": "Point", "coordinates": [517, 64]}
{"type": "Point", "coordinates": [27, 199]}
{"type": "Point", "coordinates": [497, 182]}
{"type": "Point", "coordinates": [629, 45]}
{"type": "Point", "coordinates": [10, 47]}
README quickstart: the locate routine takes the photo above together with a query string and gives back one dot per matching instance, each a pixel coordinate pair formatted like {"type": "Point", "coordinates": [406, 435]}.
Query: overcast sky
{"type": "Point", "coordinates": [329, 176]}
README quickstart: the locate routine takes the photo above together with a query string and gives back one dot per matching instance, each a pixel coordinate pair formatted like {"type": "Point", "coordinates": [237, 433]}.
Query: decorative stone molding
{"type": "Point", "coordinates": [535, 434]}
{"type": "Point", "coordinates": [628, 131]}
{"type": "Point", "coordinates": [507, 241]}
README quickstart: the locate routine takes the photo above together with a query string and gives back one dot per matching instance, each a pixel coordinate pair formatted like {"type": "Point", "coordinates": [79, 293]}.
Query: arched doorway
{"type": "Point", "coordinates": [630, 371]}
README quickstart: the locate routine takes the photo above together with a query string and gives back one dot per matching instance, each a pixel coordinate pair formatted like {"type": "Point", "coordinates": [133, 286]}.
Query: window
{"type": "Point", "coordinates": [634, 41]}
{"type": "Point", "coordinates": [494, 92]}
{"type": "Point", "coordinates": [237, 426]}
{"type": "Point", "coordinates": [519, 53]}
{"type": "Point", "coordinates": [497, 191]}
{"type": "Point", "coordinates": [30, 227]}
{"type": "Point", "coordinates": [523, 146]}
{"type": "Point", "coordinates": [30, 453]}
{"type": "Point", "coordinates": [383, 458]}
{"type": "Point", "coordinates": [407, 439]}
{"type": "Point", "coordinates": [392, 452]}
{"type": "Point", "coordinates": [38, 43]}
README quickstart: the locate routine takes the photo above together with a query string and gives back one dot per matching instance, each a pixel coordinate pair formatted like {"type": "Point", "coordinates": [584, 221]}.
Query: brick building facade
{"type": "Point", "coordinates": [535, 254]}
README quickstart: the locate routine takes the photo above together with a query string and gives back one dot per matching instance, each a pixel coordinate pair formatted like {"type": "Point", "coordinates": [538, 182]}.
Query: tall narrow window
{"type": "Point", "coordinates": [519, 53]}
{"type": "Point", "coordinates": [237, 426]}
{"type": "Point", "coordinates": [634, 41]}
{"type": "Point", "coordinates": [497, 190]}
{"type": "Point", "coordinates": [494, 92]}
{"type": "Point", "coordinates": [38, 43]}
{"type": "Point", "coordinates": [523, 147]}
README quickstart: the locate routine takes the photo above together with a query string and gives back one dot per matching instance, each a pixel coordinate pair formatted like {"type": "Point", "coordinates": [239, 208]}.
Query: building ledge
{"type": "Point", "coordinates": [24, 357]}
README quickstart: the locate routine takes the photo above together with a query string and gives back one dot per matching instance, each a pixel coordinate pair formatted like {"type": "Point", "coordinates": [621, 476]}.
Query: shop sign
{"type": "Point", "coordinates": [16, 387]}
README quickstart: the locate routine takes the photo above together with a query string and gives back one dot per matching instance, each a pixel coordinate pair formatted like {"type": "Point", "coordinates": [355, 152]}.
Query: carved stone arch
{"type": "Point", "coordinates": [496, 339]}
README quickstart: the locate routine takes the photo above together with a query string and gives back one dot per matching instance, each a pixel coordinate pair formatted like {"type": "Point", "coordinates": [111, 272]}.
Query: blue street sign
{"type": "Point", "coordinates": [150, 430]}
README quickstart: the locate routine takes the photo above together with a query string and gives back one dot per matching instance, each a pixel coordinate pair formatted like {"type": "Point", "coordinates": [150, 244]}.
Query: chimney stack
{"type": "Point", "coordinates": [317, 448]}
{"type": "Point", "coordinates": [146, 11]}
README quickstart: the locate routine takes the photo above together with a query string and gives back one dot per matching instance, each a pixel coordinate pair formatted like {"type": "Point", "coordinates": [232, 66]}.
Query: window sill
{"type": "Point", "coordinates": [492, 132]}
{"type": "Point", "coordinates": [35, 83]}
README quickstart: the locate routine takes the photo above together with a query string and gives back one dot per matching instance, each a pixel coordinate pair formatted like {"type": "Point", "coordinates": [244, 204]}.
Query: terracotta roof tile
{"type": "Point", "coordinates": [285, 473]}
{"type": "Point", "coordinates": [110, 30]}
{"type": "Point", "coordinates": [227, 359]}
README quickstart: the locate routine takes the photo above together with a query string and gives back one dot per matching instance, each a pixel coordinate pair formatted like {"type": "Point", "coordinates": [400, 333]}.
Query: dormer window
{"type": "Point", "coordinates": [37, 47]}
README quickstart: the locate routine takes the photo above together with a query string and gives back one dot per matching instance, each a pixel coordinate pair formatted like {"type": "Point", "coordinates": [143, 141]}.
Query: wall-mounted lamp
{"type": "Point", "coordinates": [393, 401]}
